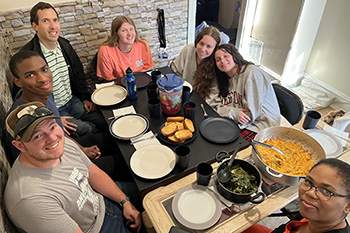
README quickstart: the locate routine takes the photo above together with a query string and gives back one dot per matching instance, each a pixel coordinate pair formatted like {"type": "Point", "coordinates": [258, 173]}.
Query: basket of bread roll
{"type": "Point", "coordinates": [177, 130]}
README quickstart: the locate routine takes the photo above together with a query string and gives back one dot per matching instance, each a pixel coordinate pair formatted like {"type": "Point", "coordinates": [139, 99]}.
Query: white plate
{"type": "Point", "coordinates": [330, 144]}
{"type": "Point", "coordinates": [129, 126]}
{"type": "Point", "coordinates": [153, 161]}
{"type": "Point", "coordinates": [196, 208]}
{"type": "Point", "coordinates": [188, 85]}
{"type": "Point", "coordinates": [110, 95]}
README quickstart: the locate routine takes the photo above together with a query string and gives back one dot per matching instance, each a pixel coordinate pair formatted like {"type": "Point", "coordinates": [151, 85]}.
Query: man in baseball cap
{"type": "Point", "coordinates": [54, 187]}
{"type": "Point", "coordinates": [22, 121]}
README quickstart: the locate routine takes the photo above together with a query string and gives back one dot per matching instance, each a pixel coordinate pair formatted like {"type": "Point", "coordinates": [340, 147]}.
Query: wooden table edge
{"type": "Point", "coordinates": [162, 222]}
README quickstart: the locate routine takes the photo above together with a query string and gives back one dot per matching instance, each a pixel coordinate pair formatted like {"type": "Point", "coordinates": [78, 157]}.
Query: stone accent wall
{"type": "Point", "coordinates": [5, 81]}
{"type": "Point", "coordinates": [86, 25]}
{"type": "Point", "coordinates": [5, 104]}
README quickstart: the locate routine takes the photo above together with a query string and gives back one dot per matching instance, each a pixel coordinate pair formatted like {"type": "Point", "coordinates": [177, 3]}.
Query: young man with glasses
{"type": "Point", "coordinates": [54, 187]}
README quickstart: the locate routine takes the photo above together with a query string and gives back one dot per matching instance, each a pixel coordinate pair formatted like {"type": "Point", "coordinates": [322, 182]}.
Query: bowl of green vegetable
{"type": "Point", "coordinates": [244, 183]}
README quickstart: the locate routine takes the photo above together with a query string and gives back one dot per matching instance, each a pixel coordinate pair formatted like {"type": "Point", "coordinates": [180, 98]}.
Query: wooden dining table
{"type": "Point", "coordinates": [161, 220]}
{"type": "Point", "coordinates": [201, 149]}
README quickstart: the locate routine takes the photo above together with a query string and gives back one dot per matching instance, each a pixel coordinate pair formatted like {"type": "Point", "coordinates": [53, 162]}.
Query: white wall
{"type": "Point", "coordinates": [275, 24]}
{"type": "Point", "coordinates": [304, 37]}
{"type": "Point", "coordinates": [330, 57]}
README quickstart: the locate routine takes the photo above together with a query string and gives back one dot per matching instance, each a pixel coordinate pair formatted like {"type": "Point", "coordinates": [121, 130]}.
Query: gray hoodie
{"type": "Point", "coordinates": [250, 90]}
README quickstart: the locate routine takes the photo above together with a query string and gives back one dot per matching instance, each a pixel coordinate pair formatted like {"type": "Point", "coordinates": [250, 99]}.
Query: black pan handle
{"type": "Point", "coordinates": [258, 198]}
{"type": "Point", "coordinates": [221, 155]}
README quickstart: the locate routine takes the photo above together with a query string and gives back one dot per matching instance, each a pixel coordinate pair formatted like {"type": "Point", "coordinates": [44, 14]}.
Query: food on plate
{"type": "Point", "coordinates": [177, 118]}
{"type": "Point", "coordinates": [179, 125]}
{"type": "Point", "coordinates": [183, 134]}
{"type": "Point", "coordinates": [172, 138]}
{"type": "Point", "coordinates": [178, 129]}
{"type": "Point", "coordinates": [296, 162]}
{"type": "Point", "coordinates": [241, 181]}
{"type": "Point", "coordinates": [169, 129]}
{"type": "Point", "coordinates": [188, 124]}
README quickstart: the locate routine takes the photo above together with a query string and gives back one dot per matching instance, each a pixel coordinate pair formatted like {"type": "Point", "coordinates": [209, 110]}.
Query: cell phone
{"type": "Point", "coordinates": [175, 229]}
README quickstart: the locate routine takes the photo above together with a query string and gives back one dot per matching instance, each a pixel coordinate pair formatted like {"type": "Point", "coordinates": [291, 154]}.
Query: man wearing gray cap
{"type": "Point", "coordinates": [54, 187]}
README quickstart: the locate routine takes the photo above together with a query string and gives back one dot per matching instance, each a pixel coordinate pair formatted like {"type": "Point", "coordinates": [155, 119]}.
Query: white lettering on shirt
{"type": "Point", "coordinates": [139, 63]}
{"type": "Point", "coordinates": [86, 193]}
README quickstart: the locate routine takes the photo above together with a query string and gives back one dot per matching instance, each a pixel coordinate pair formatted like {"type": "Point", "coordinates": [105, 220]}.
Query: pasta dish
{"type": "Point", "coordinates": [296, 162]}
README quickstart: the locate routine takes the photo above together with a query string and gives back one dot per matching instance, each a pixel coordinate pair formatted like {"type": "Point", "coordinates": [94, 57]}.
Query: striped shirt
{"type": "Point", "coordinates": [61, 84]}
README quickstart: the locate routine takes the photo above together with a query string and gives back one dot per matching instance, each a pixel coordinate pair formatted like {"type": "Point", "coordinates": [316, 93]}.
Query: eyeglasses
{"type": "Point", "coordinates": [322, 193]}
{"type": "Point", "coordinates": [27, 119]}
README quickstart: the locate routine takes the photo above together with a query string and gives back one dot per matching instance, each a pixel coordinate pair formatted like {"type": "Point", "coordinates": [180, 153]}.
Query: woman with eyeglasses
{"type": "Point", "coordinates": [324, 200]}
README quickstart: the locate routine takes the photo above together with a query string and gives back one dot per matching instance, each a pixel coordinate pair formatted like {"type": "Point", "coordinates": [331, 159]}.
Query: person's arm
{"type": "Point", "coordinates": [178, 63]}
{"type": "Point", "coordinates": [104, 67]}
{"type": "Point", "coordinates": [217, 103]}
{"type": "Point", "coordinates": [89, 106]}
{"type": "Point", "coordinates": [255, 92]}
{"type": "Point", "coordinates": [68, 125]}
{"type": "Point", "coordinates": [92, 152]}
{"type": "Point", "coordinates": [147, 59]}
{"type": "Point", "coordinates": [76, 71]}
{"type": "Point", "coordinates": [103, 184]}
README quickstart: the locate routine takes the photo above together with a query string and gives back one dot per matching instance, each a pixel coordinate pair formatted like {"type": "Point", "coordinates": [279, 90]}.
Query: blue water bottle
{"type": "Point", "coordinates": [130, 84]}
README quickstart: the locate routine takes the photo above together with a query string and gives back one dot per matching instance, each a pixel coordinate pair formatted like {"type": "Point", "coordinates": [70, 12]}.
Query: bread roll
{"type": "Point", "coordinates": [172, 138]}
{"type": "Point", "coordinates": [179, 125]}
{"type": "Point", "coordinates": [188, 124]}
{"type": "Point", "coordinates": [169, 129]}
{"type": "Point", "coordinates": [183, 134]}
{"type": "Point", "coordinates": [177, 118]}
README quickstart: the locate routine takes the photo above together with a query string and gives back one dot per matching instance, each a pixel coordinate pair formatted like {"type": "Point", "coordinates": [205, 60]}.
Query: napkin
{"type": "Point", "coordinates": [98, 86]}
{"type": "Point", "coordinates": [342, 123]}
{"type": "Point", "coordinates": [123, 111]}
{"type": "Point", "coordinates": [342, 136]}
{"type": "Point", "coordinates": [138, 144]}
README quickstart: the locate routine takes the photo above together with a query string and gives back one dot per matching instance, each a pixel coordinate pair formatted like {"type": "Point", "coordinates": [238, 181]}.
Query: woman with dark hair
{"type": "Point", "coordinates": [244, 92]}
{"type": "Point", "coordinates": [197, 59]}
{"type": "Point", "coordinates": [324, 201]}
{"type": "Point", "coordinates": [124, 48]}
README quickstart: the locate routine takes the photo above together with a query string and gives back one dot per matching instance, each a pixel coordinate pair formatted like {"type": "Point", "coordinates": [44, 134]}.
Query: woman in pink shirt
{"type": "Point", "coordinates": [124, 48]}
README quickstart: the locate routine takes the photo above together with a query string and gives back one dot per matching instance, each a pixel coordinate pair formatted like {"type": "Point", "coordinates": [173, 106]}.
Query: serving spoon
{"type": "Point", "coordinates": [224, 174]}
{"type": "Point", "coordinates": [268, 146]}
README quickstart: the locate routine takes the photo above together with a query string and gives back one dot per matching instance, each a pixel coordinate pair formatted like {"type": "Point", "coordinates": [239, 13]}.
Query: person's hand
{"type": "Point", "coordinates": [243, 117]}
{"type": "Point", "coordinates": [132, 215]}
{"type": "Point", "coordinates": [68, 125]}
{"type": "Point", "coordinates": [89, 106]}
{"type": "Point", "coordinates": [93, 152]}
